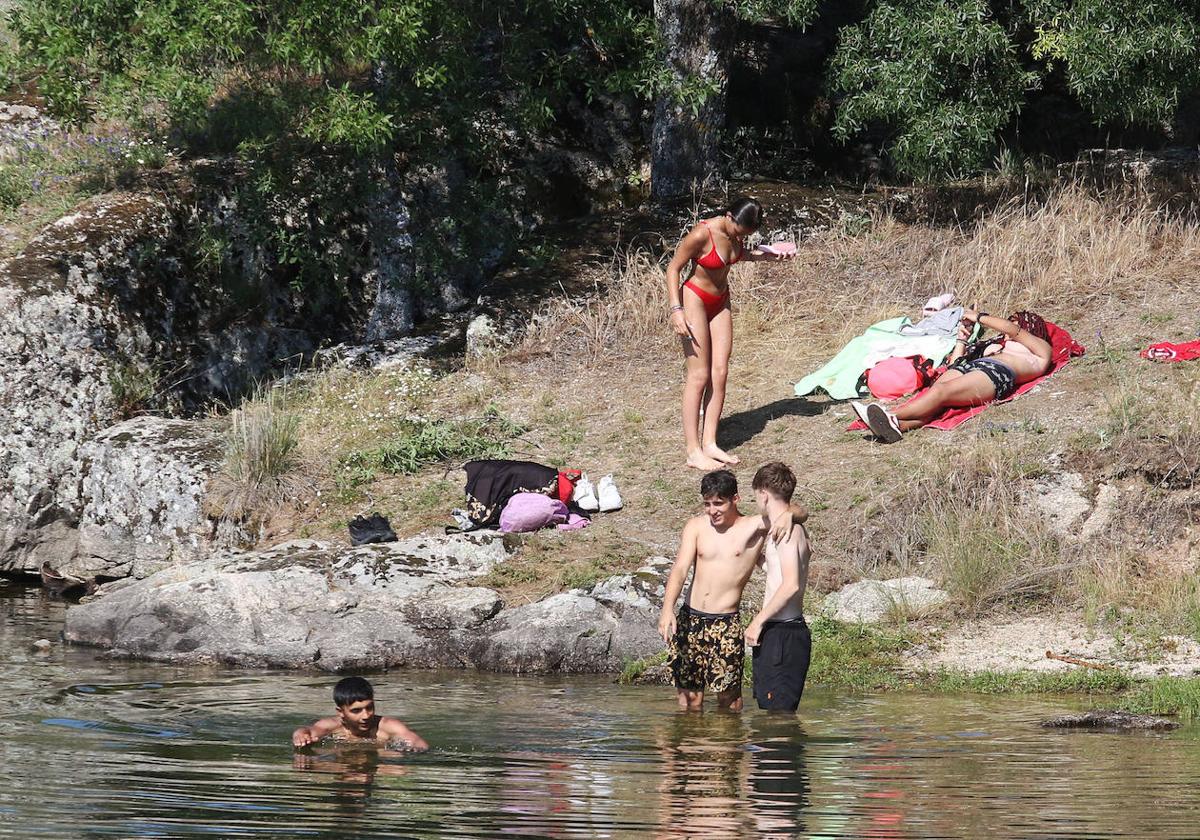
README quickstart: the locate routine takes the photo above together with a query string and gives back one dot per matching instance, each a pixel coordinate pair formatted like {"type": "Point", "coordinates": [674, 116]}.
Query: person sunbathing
{"type": "Point", "coordinates": [977, 374]}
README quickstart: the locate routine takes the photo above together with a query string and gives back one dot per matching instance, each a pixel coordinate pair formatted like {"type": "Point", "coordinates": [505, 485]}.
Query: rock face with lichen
{"type": "Point", "coordinates": [175, 295]}
{"type": "Point", "coordinates": [91, 310]}
{"type": "Point", "coordinates": [62, 330]}
{"type": "Point", "coordinates": [412, 603]}
{"type": "Point", "coordinates": [143, 489]}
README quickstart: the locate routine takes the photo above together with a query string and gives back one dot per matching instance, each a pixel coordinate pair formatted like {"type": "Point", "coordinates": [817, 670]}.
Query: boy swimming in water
{"type": "Point", "coordinates": [778, 634]}
{"type": "Point", "coordinates": [356, 720]}
{"type": "Point", "coordinates": [706, 648]}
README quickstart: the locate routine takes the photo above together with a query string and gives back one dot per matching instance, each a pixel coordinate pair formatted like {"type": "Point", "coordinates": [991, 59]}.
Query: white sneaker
{"type": "Point", "coordinates": [861, 410]}
{"type": "Point", "coordinates": [610, 499]}
{"type": "Point", "coordinates": [584, 495]}
{"type": "Point", "coordinates": [883, 423]}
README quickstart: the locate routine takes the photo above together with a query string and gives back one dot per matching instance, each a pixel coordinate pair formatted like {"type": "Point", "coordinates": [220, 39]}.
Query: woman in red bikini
{"type": "Point", "coordinates": [700, 315]}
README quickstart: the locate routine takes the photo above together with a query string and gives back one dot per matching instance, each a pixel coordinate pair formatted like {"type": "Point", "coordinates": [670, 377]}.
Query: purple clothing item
{"type": "Point", "coordinates": [527, 512]}
{"type": "Point", "coordinates": [574, 522]}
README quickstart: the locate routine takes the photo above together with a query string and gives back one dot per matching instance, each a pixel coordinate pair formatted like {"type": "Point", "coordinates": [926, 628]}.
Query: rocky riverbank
{"type": "Point", "coordinates": [413, 603]}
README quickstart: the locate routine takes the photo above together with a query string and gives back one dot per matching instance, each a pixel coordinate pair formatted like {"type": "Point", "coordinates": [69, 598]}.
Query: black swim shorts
{"type": "Point", "coordinates": [781, 664]}
{"type": "Point", "coordinates": [1004, 378]}
{"type": "Point", "coordinates": [707, 651]}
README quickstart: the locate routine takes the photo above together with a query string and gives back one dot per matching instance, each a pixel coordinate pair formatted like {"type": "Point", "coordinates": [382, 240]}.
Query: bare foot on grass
{"type": "Point", "coordinates": [718, 454]}
{"type": "Point", "coordinates": [699, 461]}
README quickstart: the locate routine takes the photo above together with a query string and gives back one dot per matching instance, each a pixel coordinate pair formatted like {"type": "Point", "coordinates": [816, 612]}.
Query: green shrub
{"type": "Point", "coordinates": [421, 442]}
{"type": "Point", "coordinates": [941, 77]}
{"type": "Point", "coordinates": [1123, 61]}
{"type": "Point", "coordinates": [134, 386]}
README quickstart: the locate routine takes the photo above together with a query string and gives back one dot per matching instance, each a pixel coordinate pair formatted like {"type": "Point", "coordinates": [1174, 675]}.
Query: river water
{"type": "Point", "coordinates": [96, 748]}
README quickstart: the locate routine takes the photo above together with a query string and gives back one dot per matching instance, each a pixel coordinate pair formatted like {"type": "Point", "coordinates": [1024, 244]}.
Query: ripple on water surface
{"type": "Point", "coordinates": [98, 748]}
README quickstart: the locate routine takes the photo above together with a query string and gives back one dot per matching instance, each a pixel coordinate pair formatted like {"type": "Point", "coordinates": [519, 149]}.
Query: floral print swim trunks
{"type": "Point", "coordinates": [707, 651]}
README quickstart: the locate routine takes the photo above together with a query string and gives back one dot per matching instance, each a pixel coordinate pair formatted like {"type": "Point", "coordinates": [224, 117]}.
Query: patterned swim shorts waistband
{"type": "Point", "coordinates": [707, 616]}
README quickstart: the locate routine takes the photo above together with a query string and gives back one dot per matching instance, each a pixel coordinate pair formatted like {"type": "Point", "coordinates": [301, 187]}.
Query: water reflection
{"type": "Point", "coordinates": [152, 750]}
{"type": "Point", "coordinates": [726, 775]}
{"type": "Point", "coordinates": [779, 783]}
{"type": "Point", "coordinates": [352, 769]}
{"type": "Point", "coordinates": [705, 767]}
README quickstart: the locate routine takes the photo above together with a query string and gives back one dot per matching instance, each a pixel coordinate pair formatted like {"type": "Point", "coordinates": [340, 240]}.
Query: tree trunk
{"type": "Point", "coordinates": [392, 270]}
{"type": "Point", "coordinates": [684, 158]}
{"type": "Point", "coordinates": [1185, 127]}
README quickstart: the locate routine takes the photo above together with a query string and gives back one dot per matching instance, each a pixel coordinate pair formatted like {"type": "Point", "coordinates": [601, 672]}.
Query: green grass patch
{"type": "Point", "coordinates": [858, 657]}
{"type": "Point", "coordinates": [1164, 696]}
{"type": "Point", "coordinates": [417, 443]}
{"type": "Point", "coordinates": [1079, 681]}
{"type": "Point", "coordinates": [634, 668]}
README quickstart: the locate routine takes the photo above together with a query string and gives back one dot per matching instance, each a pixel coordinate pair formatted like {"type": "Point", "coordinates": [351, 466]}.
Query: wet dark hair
{"type": "Point", "coordinates": [352, 690]}
{"type": "Point", "coordinates": [747, 213]}
{"type": "Point", "coordinates": [776, 477]}
{"type": "Point", "coordinates": [719, 483]}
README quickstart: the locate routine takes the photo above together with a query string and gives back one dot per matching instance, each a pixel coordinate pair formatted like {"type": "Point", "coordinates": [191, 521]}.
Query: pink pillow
{"type": "Point", "coordinates": [531, 512]}
{"type": "Point", "coordinates": [895, 377]}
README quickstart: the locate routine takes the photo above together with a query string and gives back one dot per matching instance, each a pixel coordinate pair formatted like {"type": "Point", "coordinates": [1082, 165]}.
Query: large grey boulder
{"type": "Point", "coordinates": [62, 331]}
{"type": "Point", "coordinates": [565, 632]}
{"type": "Point", "coordinates": [599, 628]}
{"type": "Point", "coordinates": [306, 604]}
{"type": "Point", "coordinates": [299, 604]}
{"type": "Point", "coordinates": [872, 601]}
{"type": "Point", "coordinates": [143, 499]}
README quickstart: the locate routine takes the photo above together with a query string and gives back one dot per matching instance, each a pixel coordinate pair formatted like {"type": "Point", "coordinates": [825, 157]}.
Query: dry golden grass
{"type": "Point", "coordinates": [262, 469]}
{"type": "Point", "coordinates": [596, 382]}
{"type": "Point", "coordinates": [1070, 253]}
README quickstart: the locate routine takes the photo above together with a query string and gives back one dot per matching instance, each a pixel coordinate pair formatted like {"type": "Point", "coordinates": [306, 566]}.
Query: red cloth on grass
{"type": "Point", "coordinates": [1063, 349]}
{"type": "Point", "coordinates": [1165, 351]}
{"type": "Point", "coordinates": [565, 488]}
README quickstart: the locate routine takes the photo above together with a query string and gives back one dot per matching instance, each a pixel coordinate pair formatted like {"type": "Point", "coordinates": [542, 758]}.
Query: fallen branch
{"type": "Point", "coordinates": [1072, 661]}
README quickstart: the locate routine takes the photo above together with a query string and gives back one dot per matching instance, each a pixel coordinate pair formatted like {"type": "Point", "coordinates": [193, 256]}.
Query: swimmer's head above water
{"type": "Point", "coordinates": [354, 698]}
{"type": "Point", "coordinates": [356, 720]}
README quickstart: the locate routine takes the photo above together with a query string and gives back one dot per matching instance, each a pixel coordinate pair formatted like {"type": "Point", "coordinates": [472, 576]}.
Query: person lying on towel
{"type": "Point", "coordinates": [977, 374]}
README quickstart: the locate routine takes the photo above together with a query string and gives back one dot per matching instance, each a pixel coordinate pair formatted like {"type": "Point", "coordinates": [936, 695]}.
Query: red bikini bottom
{"type": "Point", "coordinates": [713, 304]}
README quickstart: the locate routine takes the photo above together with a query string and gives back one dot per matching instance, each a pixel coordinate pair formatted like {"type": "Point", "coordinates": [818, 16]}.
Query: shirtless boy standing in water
{"type": "Point", "coordinates": [779, 636]}
{"type": "Point", "coordinates": [705, 642]}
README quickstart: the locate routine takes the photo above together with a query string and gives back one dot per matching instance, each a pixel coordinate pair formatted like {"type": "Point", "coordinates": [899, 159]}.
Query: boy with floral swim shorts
{"type": "Point", "coordinates": [706, 648]}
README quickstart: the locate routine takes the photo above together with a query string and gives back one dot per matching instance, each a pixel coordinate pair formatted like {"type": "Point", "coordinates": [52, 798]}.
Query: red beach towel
{"type": "Point", "coordinates": [1165, 351]}
{"type": "Point", "coordinates": [1063, 347]}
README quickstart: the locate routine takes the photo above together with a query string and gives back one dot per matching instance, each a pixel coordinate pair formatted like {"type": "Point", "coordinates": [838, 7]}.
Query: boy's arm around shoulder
{"type": "Point", "coordinates": [684, 561]}
{"type": "Point", "coordinates": [393, 728]}
{"type": "Point", "coordinates": [796, 514]}
{"type": "Point", "coordinates": [315, 731]}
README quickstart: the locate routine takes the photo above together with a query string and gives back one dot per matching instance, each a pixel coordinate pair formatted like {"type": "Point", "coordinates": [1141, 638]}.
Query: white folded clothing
{"type": "Point", "coordinates": [610, 499]}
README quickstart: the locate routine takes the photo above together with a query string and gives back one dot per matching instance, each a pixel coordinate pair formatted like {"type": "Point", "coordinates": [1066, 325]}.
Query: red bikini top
{"type": "Point", "coordinates": [713, 259]}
